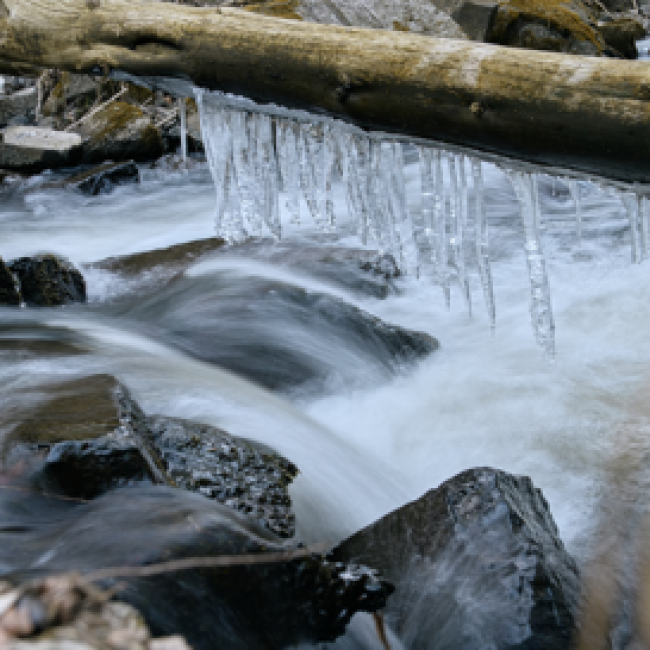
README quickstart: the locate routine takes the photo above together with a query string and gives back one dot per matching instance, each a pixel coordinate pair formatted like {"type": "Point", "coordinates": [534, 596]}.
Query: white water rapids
{"type": "Point", "coordinates": [482, 399]}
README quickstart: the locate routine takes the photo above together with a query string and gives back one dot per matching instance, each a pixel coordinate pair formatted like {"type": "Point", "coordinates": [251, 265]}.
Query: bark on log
{"type": "Point", "coordinates": [590, 114]}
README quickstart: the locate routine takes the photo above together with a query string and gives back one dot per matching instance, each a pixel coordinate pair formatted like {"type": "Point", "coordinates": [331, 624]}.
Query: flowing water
{"type": "Point", "coordinates": [375, 433]}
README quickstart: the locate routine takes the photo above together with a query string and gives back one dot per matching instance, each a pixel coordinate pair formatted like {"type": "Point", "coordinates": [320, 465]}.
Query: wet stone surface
{"type": "Point", "coordinates": [241, 475]}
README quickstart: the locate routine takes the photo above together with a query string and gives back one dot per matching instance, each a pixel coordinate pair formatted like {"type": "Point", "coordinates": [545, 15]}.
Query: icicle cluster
{"type": "Point", "coordinates": [257, 152]}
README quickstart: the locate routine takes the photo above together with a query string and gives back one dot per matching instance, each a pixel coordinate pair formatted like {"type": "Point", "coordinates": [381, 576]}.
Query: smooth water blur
{"type": "Point", "coordinates": [365, 449]}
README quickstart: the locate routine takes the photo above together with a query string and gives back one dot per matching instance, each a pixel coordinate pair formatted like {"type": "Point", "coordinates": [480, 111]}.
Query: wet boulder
{"type": "Point", "coordinates": [103, 178]}
{"type": "Point", "coordinates": [242, 475]}
{"type": "Point", "coordinates": [120, 131]}
{"type": "Point", "coordinates": [88, 436]}
{"type": "Point", "coordinates": [48, 280]}
{"type": "Point", "coordinates": [477, 562]}
{"type": "Point", "coordinates": [238, 605]}
{"type": "Point", "coordinates": [281, 335]}
{"type": "Point", "coordinates": [9, 293]}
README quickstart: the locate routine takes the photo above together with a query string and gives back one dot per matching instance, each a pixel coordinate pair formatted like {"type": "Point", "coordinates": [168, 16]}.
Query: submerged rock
{"type": "Point", "coordinates": [277, 334]}
{"type": "Point", "coordinates": [242, 475]}
{"type": "Point", "coordinates": [48, 280]}
{"type": "Point", "coordinates": [9, 294]}
{"type": "Point", "coordinates": [160, 265]}
{"type": "Point", "coordinates": [103, 178]}
{"type": "Point", "coordinates": [477, 563]}
{"type": "Point", "coordinates": [238, 606]}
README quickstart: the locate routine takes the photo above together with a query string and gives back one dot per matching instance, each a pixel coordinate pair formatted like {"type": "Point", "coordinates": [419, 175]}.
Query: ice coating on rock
{"type": "Point", "coordinates": [258, 153]}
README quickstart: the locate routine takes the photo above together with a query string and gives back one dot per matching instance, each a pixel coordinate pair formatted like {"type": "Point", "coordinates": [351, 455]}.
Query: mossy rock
{"type": "Point", "coordinates": [556, 25]}
{"type": "Point", "coordinates": [120, 131]}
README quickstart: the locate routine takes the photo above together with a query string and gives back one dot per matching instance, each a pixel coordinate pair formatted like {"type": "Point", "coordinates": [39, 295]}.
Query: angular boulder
{"type": "Point", "coordinates": [32, 149]}
{"type": "Point", "coordinates": [9, 294]}
{"type": "Point", "coordinates": [242, 475]}
{"type": "Point", "coordinates": [477, 563]}
{"type": "Point", "coordinates": [87, 437]}
{"type": "Point", "coordinates": [120, 131]}
{"type": "Point", "coordinates": [48, 280]}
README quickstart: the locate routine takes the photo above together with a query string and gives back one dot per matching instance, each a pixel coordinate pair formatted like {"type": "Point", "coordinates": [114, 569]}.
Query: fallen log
{"type": "Point", "coordinates": [589, 114]}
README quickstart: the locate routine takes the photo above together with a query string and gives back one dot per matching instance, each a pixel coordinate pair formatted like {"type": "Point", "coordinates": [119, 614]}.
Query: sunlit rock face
{"type": "Point", "coordinates": [477, 562]}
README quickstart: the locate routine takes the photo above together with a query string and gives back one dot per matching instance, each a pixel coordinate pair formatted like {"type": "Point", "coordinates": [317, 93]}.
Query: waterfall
{"type": "Point", "coordinates": [254, 151]}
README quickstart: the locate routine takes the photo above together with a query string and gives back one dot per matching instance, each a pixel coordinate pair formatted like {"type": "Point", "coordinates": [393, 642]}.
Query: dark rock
{"type": "Point", "coordinates": [48, 280]}
{"type": "Point", "coordinates": [476, 18]}
{"type": "Point", "coordinates": [262, 606]}
{"type": "Point", "coordinates": [103, 178]}
{"type": "Point", "coordinates": [33, 149]}
{"type": "Point", "coordinates": [477, 563]}
{"type": "Point", "coordinates": [277, 334]}
{"type": "Point", "coordinates": [237, 473]}
{"type": "Point", "coordinates": [86, 469]}
{"type": "Point", "coordinates": [622, 34]}
{"type": "Point", "coordinates": [9, 294]}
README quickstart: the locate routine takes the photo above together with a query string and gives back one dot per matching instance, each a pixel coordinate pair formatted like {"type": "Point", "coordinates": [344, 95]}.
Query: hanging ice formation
{"type": "Point", "coordinates": [257, 151]}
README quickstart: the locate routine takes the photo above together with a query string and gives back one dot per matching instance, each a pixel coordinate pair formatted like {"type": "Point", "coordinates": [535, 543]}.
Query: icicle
{"type": "Point", "coordinates": [525, 186]}
{"type": "Point", "coordinates": [289, 162]}
{"type": "Point", "coordinates": [267, 175]}
{"type": "Point", "coordinates": [428, 198]}
{"type": "Point", "coordinates": [632, 207]}
{"type": "Point", "coordinates": [440, 217]}
{"type": "Point", "coordinates": [460, 235]}
{"type": "Point", "coordinates": [403, 223]}
{"type": "Point", "coordinates": [456, 221]}
{"type": "Point", "coordinates": [182, 109]}
{"type": "Point", "coordinates": [574, 190]}
{"type": "Point", "coordinates": [482, 241]}
{"type": "Point", "coordinates": [644, 216]}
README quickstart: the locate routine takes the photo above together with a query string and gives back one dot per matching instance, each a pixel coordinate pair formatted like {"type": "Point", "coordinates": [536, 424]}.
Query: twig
{"type": "Point", "coordinates": [98, 108]}
{"type": "Point", "coordinates": [203, 563]}
{"type": "Point", "coordinates": [48, 495]}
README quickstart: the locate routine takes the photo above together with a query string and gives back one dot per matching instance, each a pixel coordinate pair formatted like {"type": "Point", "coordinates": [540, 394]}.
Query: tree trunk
{"type": "Point", "coordinates": [591, 114]}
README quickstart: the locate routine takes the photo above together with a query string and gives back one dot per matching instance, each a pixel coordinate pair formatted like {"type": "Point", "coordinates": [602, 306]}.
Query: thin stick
{"type": "Point", "coordinates": [97, 109]}
{"type": "Point", "coordinates": [203, 563]}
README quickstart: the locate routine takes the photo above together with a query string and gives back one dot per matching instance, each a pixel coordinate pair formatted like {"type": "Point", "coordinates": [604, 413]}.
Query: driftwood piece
{"type": "Point", "coordinates": [591, 114]}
